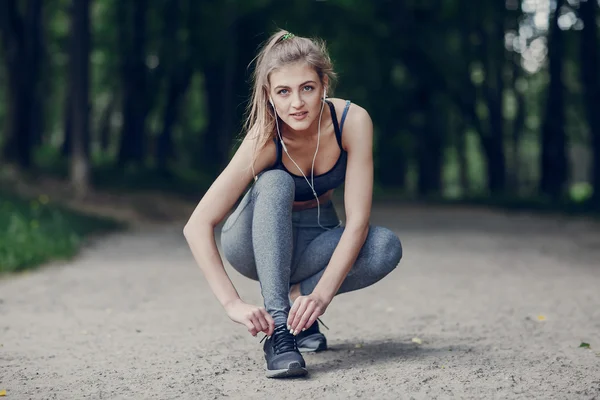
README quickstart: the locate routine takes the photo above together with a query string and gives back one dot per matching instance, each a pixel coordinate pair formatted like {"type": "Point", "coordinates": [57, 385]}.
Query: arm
{"type": "Point", "coordinates": [211, 210]}
{"type": "Point", "coordinates": [357, 200]}
{"type": "Point", "coordinates": [358, 141]}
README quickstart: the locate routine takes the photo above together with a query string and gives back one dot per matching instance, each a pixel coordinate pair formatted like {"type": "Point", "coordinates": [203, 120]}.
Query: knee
{"type": "Point", "coordinates": [389, 250]}
{"type": "Point", "coordinates": [275, 182]}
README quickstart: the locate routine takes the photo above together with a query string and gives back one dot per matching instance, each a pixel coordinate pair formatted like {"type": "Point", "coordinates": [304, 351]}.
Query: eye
{"type": "Point", "coordinates": [308, 88]}
{"type": "Point", "coordinates": [282, 91]}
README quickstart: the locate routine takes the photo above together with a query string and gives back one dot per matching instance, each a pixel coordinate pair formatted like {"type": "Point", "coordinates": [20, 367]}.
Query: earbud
{"type": "Point", "coordinates": [271, 101]}
{"type": "Point", "coordinates": [324, 93]}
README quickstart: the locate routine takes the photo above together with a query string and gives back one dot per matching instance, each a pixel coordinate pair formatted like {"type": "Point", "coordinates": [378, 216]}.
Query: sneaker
{"type": "Point", "coordinates": [282, 355]}
{"type": "Point", "coordinates": [311, 340]}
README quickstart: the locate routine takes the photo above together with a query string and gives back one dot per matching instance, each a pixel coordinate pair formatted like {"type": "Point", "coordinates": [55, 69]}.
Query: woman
{"type": "Point", "coordinates": [285, 232]}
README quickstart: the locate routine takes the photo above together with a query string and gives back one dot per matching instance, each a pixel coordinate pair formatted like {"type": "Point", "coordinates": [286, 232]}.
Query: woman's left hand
{"type": "Point", "coordinates": [305, 311]}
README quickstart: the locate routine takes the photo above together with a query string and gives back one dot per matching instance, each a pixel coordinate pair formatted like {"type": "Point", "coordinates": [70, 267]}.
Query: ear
{"type": "Point", "coordinates": [325, 84]}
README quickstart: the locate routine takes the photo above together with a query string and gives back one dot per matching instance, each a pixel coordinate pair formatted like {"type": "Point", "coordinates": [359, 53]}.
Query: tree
{"type": "Point", "coordinates": [21, 38]}
{"type": "Point", "coordinates": [553, 147]}
{"type": "Point", "coordinates": [590, 74]}
{"type": "Point", "coordinates": [80, 51]}
{"type": "Point", "coordinates": [134, 78]}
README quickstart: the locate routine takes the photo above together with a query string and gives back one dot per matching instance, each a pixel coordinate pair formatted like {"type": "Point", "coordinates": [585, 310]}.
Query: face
{"type": "Point", "coordinates": [297, 92]}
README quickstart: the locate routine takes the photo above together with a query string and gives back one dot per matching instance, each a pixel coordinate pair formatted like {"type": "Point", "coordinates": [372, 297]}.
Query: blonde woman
{"type": "Point", "coordinates": [285, 233]}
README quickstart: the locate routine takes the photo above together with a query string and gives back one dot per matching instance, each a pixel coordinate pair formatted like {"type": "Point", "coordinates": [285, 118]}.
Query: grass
{"type": "Point", "coordinates": [36, 231]}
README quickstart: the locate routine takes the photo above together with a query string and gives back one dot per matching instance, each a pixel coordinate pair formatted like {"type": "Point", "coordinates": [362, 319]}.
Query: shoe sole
{"type": "Point", "coordinates": [294, 369]}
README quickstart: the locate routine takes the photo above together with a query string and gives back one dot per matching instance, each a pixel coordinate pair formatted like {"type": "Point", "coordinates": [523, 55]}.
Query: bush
{"type": "Point", "coordinates": [36, 231]}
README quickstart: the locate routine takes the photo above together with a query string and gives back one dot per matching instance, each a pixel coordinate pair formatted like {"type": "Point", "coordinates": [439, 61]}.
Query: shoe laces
{"type": "Point", "coordinates": [322, 323]}
{"type": "Point", "coordinates": [283, 340]}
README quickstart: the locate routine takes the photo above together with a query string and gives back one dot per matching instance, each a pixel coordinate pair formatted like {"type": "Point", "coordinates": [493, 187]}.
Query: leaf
{"type": "Point", "coordinates": [417, 340]}
{"type": "Point", "coordinates": [3, 392]}
{"type": "Point", "coordinates": [584, 345]}
{"type": "Point", "coordinates": [541, 318]}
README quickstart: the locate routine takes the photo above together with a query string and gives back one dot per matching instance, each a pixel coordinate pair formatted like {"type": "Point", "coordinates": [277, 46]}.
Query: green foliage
{"type": "Point", "coordinates": [36, 231]}
{"type": "Point", "coordinates": [392, 58]}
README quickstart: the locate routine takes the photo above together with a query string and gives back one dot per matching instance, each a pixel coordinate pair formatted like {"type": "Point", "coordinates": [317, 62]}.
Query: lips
{"type": "Point", "coordinates": [299, 116]}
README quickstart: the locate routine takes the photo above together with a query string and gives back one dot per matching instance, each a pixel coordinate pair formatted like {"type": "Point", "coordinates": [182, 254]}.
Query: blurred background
{"type": "Point", "coordinates": [480, 102]}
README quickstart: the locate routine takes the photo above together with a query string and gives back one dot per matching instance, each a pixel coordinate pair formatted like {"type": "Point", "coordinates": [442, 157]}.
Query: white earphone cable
{"type": "Point", "coordinates": [311, 184]}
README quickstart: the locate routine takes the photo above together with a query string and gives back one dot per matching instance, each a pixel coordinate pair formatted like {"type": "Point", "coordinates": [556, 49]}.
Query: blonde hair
{"type": "Point", "coordinates": [281, 49]}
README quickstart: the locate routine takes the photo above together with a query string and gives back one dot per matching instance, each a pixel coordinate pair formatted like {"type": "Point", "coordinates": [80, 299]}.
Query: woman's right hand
{"type": "Point", "coordinates": [256, 319]}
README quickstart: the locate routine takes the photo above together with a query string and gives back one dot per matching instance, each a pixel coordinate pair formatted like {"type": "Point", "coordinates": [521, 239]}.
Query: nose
{"type": "Point", "coordinates": [297, 101]}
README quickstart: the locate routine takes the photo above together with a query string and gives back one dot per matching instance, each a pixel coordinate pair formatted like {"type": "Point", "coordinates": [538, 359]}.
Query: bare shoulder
{"type": "Point", "coordinates": [358, 126]}
{"type": "Point", "coordinates": [267, 155]}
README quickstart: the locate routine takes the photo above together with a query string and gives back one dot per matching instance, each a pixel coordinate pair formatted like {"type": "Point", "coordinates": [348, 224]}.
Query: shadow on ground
{"type": "Point", "coordinates": [346, 356]}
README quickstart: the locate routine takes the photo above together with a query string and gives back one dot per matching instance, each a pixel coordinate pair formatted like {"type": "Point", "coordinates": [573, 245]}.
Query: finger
{"type": "Point", "coordinates": [316, 314]}
{"type": "Point", "coordinates": [293, 311]}
{"type": "Point", "coordinates": [251, 327]}
{"type": "Point", "coordinates": [264, 326]}
{"type": "Point", "coordinates": [301, 309]}
{"type": "Point", "coordinates": [270, 321]}
{"type": "Point", "coordinates": [256, 322]}
{"type": "Point", "coordinates": [304, 318]}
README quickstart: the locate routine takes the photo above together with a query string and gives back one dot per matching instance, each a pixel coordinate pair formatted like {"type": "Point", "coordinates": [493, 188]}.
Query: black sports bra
{"type": "Point", "coordinates": [328, 180]}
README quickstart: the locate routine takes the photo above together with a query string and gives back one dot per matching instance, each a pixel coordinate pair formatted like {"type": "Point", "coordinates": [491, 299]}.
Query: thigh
{"type": "Point", "coordinates": [304, 238]}
{"type": "Point", "coordinates": [379, 254]}
{"type": "Point", "coordinates": [314, 250]}
{"type": "Point", "coordinates": [236, 238]}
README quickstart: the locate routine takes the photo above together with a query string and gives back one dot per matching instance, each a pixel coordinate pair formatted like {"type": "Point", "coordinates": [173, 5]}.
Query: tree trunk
{"type": "Point", "coordinates": [220, 87]}
{"type": "Point", "coordinates": [133, 76]}
{"type": "Point", "coordinates": [228, 118]}
{"type": "Point", "coordinates": [429, 145]}
{"type": "Point", "coordinates": [391, 162]}
{"type": "Point", "coordinates": [460, 134]}
{"type": "Point", "coordinates": [79, 172]}
{"type": "Point", "coordinates": [554, 172]}
{"type": "Point", "coordinates": [178, 66]}
{"type": "Point", "coordinates": [104, 128]}
{"type": "Point", "coordinates": [517, 129]}
{"type": "Point", "coordinates": [494, 88]}
{"type": "Point", "coordinates": [21, 37]}
{"type": "Point", "coordinates": [590, 74]}
{"type": "Point", "coordinates": [68, 110]}
{"type": "Point", "coordinates": [35, 38]}
{"type": "Point", "coordinates": [212, 156]}
{"type": "Point", "coordinates": [512, 20]}
{"type": "Point", "coordinates": [177, 87]}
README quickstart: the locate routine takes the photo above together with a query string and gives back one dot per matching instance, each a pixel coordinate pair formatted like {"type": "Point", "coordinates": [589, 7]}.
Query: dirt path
{"type": "Point", "coordinates": [501, 304]}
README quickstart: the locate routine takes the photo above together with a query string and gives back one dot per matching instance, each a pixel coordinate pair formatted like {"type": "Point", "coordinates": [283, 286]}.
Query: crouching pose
{"type": "Point", "coordinates": [285, 233]}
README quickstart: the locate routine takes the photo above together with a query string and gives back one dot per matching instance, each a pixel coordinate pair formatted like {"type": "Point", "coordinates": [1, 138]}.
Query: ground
{"type": "Point", "coordinates": [483, 305]}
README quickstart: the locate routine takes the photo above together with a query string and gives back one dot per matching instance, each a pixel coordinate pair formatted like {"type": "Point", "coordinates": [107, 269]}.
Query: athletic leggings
{"type": "Point", "coordinates": [264, 240]}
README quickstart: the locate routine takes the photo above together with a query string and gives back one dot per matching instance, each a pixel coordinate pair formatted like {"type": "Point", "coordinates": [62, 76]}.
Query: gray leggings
{"type": "Point", "coordinates": [264, 240]}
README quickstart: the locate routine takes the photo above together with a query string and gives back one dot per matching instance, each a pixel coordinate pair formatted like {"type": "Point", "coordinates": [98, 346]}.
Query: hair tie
{"type": "Point", "coordinates": [286, 36]}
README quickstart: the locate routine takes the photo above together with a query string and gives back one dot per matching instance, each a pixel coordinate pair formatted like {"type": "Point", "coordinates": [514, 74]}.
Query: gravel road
{"type": "Point", "coordinates": [484, 305]}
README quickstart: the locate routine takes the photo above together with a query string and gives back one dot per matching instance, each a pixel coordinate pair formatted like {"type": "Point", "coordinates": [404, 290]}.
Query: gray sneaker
{"type": "Point", "coordinates": [312, 340]}
{"type": "Point", "coordinates": [282, 355]}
